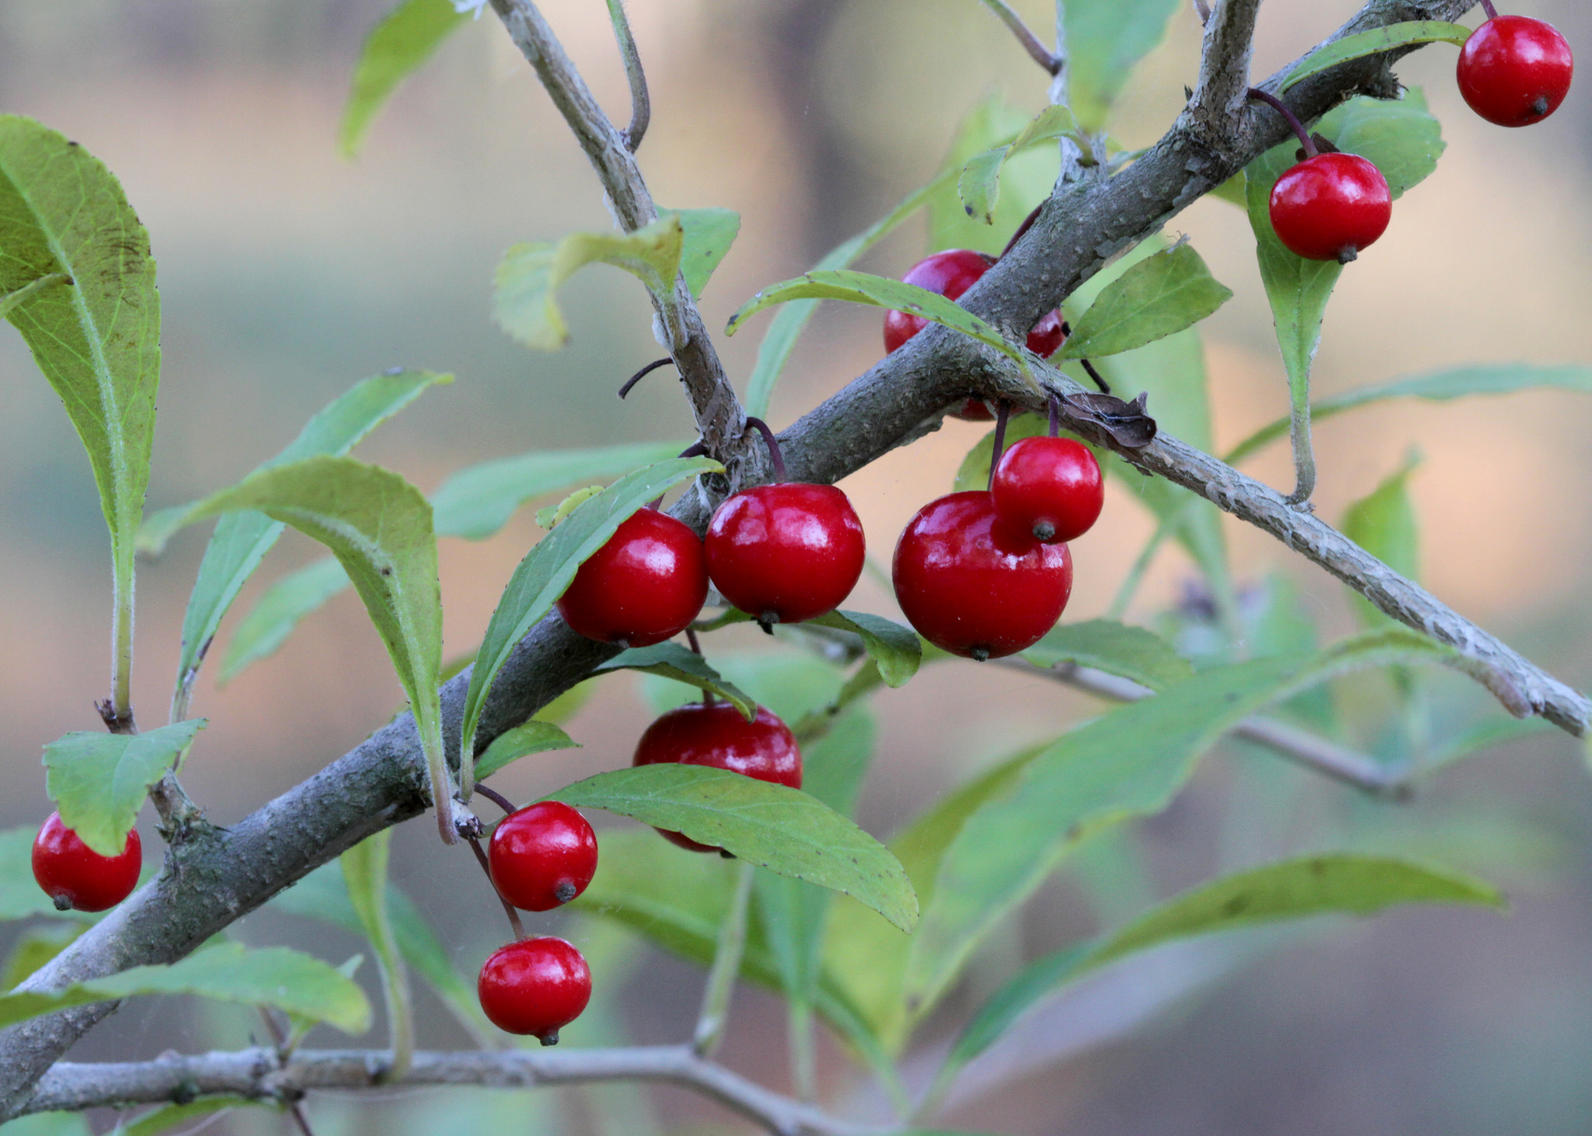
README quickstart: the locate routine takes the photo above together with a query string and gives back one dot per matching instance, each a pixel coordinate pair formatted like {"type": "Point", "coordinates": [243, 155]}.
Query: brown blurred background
{"type": "Point", "coordinates": [287, 273]}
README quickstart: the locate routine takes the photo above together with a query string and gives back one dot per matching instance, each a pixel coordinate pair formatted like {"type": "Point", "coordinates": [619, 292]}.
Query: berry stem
{"type": "Point", "coordinates": [775, 458]}
{"type": "Point", "coordinates": [508, 908]}
{"type": "Point", "coordinates": [726, 965]}
{"type": "Point", "coordinates": [1017, 234]}
{"type": "Point", "coordinates": [1487, 6]}
{"type": "Point", "coordinates": [1305, 141]}
{"type": "Point", "coordinates": [1002, 412]}
{"type": "Point", "coordinates": [1037, 51]}
{"type": "Point", "coordinates": [1054, 426]}
{"type": "Point", "coordinates": [495, 797]}
{"type": "Point", "coordinates": [1089, 369]}
{"type": "Point", "coordinates": [696, 645]}
{"type": "Point", "coordinates": [640, 102]}
{"type": "Point", "coordinates": [643, 373]}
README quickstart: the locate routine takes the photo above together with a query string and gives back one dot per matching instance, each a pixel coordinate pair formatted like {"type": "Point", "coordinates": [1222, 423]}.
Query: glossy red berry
{"type": "Point", "coordinates": [1331, 206]}
{"type": "Point", "coordinates": [642, 587]}
{"type": "Point", "coordinates": [1514, 70]}
{"type": "Point", "coordinates": [542, 855]}
{"type": "Point", "coordinates": [719, 736]}
{"type": "Point", "coordinates": [534, 987]}
{"type": "Point", "coordinates": [974, 586]}
{"type": "Point", "coordinates": [950, 273]}
{"type": "Point", "coordinates": [75, 876]}
{"type": "Point", "coordinates": [1050, 487]}
{"type": "Point", "coordinates": [785, 552]}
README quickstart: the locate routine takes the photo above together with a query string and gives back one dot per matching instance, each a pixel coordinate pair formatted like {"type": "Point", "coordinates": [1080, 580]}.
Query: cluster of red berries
{"type": "Point", "coordinates": [1512, 70]}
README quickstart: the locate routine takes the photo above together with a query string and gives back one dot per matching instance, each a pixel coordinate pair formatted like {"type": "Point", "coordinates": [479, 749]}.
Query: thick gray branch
{"type": "Point", "coordinates": [258, 1074]}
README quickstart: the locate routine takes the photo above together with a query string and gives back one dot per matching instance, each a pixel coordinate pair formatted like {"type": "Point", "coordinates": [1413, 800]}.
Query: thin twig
{"type": "Point", "coordinates": [715, 1013]}
{"type": "Point", "coordinates": [640, 102]}
{"type": "Point", "coordinates": [1037, 51]}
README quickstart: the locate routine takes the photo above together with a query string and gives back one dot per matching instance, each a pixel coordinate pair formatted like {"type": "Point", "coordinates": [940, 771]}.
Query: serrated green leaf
{"type": "Point", "coordinates": [1384, 523]}
{"type": "Point", "coordinates": [706, 236]}
{"type": "Point", "coordinates": [479, 500]}
{"type": "Point", "coordinates": [396, 47]}
{"type": "Point", "coordinates": [96, 340]}
{"type": "Point", "coordinates": [549, 517]}
{"type": "Point", "coordinates": [379, 528]}
{"type": "Point", "coordinates": [1437, 386]}
{"type": "Point", "coordinates": [1333, 883]}
{"type": "Point", "coordinates": [1159, 295]}
{"type": "Point", "coordinates": [784, 830]}
{"type": "Point", "coordinates": [524, 299]}
{"type": "Point", "coordinates": [878, 291]}
{"type": "Point", "coordinates": [365, 876]}
{"type": "Point", "coordinates": [1410, 33]}
{"type": "Point", "coordinates": [1127, 763]}
{"type": "Point", "coordinates": [547, 569]}
{"type": "Point", "coordinates": [278, 977]}
{"type": "Point", "coordinates": [1116, 648]}
{"type": "Point", "coordinates": [895, 649]}
{"type": "Point", "coordinates": [33, 948]}
{"type": "Point", "coordinates": [283, 606]}
{"type": "Point", "coordinates": [523, 740]}
{"type": "Point", "coordinates": [99, 781]}
{"type": "Point", "coordinates": [1105, 38]}
{"type": "Point", "coordinates": [979, 185]}
{"type": "Point", "coordinates": [679, 664]}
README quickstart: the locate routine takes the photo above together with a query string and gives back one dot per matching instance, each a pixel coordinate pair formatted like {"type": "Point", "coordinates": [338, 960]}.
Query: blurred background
{"type": "Point", "coordinates": [287, 273]}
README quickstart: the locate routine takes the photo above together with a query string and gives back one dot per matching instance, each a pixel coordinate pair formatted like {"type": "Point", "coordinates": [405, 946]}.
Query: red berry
{"type": "Point", "coordinates": [542, 855]}
{"type": "Point", "coordinates": [75, 876]}
{"type": "Point", "coordinates": [1331, 206]}
{"type": "Point", "coordinates": [535, 987]}
{"type": "Point", "coordinates": [1514, 70]}
{"type": "Point", "coordinates": [950, 273]}
{"type": "Point", "coordinates": [785, 552]}
{"type": "Point", "coordinates": [642, 587]}
{"type": "Point", "coordinates": [974, 586]}
{"type": "Point", "coordinates": [1050, 487]}
{"type": "Point", "coordinates": [719, 736]}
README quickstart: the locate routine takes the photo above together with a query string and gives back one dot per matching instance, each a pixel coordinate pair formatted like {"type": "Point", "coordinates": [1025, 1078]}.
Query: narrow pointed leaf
{"type": "Point", "coordinates": [1157, 296]}
{"type": "Point", "coordinates": [895, 649]}
{"type": "Point", "coordinates": [672, 661]}
{"type": "Point", "coordinates": [283, 606]}
{"type": "Point", "coordinates": [99, 780]}
{"type": "Point", "coordinates": [284, 979]}
{"type": "Point", "coordinates": [1410, 33]}
{"type": "Point", "coordinates": [396, 47]}
{"type": "Point", "coordinates": [706, 237]}
{"type": "Point", "coordinates": [549, 567]}
{"type": "Point", "coordinates": [365, 875]}
{"type": "Point", "coordinates": [1116, 648]}
{"type": "Point", "coordinates": [1105, 38]}
{"type": "Point", "coordinates": [879, 291]}
{"type": "Point", "coordinates": [522, 741]}
{"type": "Point", "coordinates": [524, 300]}
{"type": "Point", "coordinates": [783, 830]}
{"type": "Point", "coordinates": [979, 185]}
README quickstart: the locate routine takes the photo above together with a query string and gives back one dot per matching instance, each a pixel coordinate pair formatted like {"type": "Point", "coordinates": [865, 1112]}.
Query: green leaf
{"type": "Point", "coordinates": [1105, 38]}
{"type": "Point", "coordinates": [365, 875]}
{"type": "Point", "coordinates": [379, 528]}
{"type": "Point", "coordinates": [979, 185]}
{"type": "Point", "coordinates": [1437, 386]}
{"type": "Point", "coordinates": [99, 780]}
{"type": "Point", "coordinates": [1116, 648]}
{"type": "Point", "coordinates": [895, 649]}
{"type": "Point", "coordinates": [1384, 524]}
{"type": "Point", "coordinates": [34, 947]}
{"type": "Point", "coordinates": [547, 569]}
{"type": "Point", "coordinates": [784, 830]}
{"type": "Point", "coordinates": [1400, 136]}
{"type": "Point", "coordinates": [396, 47]}
{"type": "Point", "coordinates": [478, 501]}
{"type": "Point", "coordinates": [707, 236]}
{"type": "Point", "coordinates": [523, 740]}
{"type": "Point", "coordinates": [167, 1117]}
{"type": "Point", "coordinates": [1410, 33]}
{"type": "Point", "coordinates": [284, 979]}
{"type": "Point", "coordinates": [1125, 764]}
{"type": "Point", "coordinates": [12, 300]}
{"type": "Point", "coordinates": [283, 606]}
{"type": "Point", "coordinates": [50, 1124]}
{"type": "Point", "coordinates": [1027, 179]}
{"type": "Point", "coordinates": [97, 340]}
{"type": "Point", "coordinates": [879, 291]}
{"type": "Point", "coordinates": [524, 301]}
{"type": "Point", "coordinates": [1333, 883]}
{"type": "Point", "coordinates": [679, 664]}
{"type": "Point", "coordinates": [1157, 296]}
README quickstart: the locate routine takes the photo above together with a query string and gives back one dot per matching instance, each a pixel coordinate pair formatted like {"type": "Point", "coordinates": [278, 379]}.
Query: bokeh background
{"type": "Point", "coordinates": [287, 273]}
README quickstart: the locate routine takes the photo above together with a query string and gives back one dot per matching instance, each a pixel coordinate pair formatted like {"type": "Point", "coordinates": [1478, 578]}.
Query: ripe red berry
{"type": "Point", "coordinates": [1050, 487]}
{"type": "Point", "coordinates": [642, 587]}
{"type": "Point", "coordinates": [75, 876]}
{"type": "Point", "coordinates": [1514, 70]}
{"type": "Point", "coordinates": [719, 736]}
{"type": "Point", "coordinates": [950, 273]}
{"type": "Point", "coordinates": [1331, 206]}
{"type": "Point", "coordinates": [785, 552]}
{"type": "Point", "coordinates": [974, 586]}
{"type": "Point", "coordinates": [534, 987]}
{"type": "Point", "coordinates": [542, 855]}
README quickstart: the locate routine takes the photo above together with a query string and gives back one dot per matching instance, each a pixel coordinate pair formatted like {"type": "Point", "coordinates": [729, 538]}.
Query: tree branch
{"type": "Point", "coordinates": [259, 1074]}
